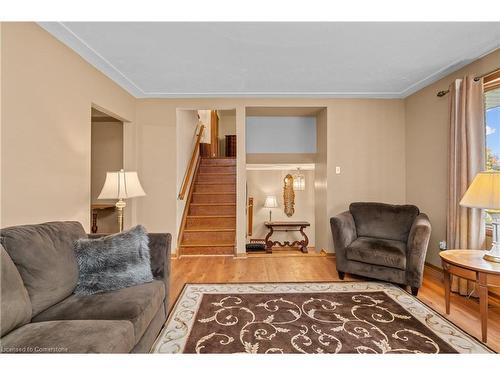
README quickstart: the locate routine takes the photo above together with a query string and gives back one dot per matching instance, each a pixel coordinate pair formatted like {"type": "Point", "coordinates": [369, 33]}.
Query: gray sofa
{"type": "Point", "coordinates": [382, 241]}
{"type": "Point", "coordinates": [40, 313]}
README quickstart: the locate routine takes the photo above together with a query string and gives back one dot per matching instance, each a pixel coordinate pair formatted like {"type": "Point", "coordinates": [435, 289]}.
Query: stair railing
{"type": "Point", "coordinates": [192, 163]}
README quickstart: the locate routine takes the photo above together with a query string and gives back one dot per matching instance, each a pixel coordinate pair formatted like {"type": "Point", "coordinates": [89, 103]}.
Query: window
{"type": "Point", "coordinates": [492, 121]}
{"type": "Point", "coordinates": [492, 118]}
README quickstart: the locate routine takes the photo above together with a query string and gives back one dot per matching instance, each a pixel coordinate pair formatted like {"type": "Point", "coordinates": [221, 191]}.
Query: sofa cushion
{"type": "Point", "coordinates": [380, 220]}
{"type": "Point", "coordinates": [15, 307]}
{"type": "Point", "coordinates": [44, 256]}
{"type": "Point", "coordinates": [137, 304]}
{"type": "Point", "coordinates": [113, 262]}
{"type": "Point", "coordinates": [388, 253]}
{"type": "Point", "coordinates": [70, 336]}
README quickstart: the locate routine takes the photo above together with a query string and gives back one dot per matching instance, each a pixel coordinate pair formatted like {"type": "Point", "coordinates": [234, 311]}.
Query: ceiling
{"type": "Point", "coordinates": [333, 59]}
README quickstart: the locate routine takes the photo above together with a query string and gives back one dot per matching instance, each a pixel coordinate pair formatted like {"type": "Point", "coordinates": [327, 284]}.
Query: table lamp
{"type": "Point", "coordinates": [121, 185]}
{"type": "Point", "coordinates": [484, 193]}
{"type": "Point", "coordinates": [271, 202]}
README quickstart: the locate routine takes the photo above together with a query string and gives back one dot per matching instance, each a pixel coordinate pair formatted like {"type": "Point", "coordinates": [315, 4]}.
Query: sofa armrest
{"type": "Point", "coordinates": [344, 233]}
{"type": "Point", "coordinates": [416, 249]}
{"type": "Point", "coordinates": [159, 249]}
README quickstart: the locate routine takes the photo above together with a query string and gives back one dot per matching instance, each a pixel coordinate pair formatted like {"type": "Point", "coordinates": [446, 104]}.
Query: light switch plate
{"type": "Point", "coordinates": [337, 170]}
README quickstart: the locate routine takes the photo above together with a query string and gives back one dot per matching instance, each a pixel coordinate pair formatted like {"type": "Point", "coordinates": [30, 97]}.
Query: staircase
{"type": "Point", "coordinates": [210, 224]}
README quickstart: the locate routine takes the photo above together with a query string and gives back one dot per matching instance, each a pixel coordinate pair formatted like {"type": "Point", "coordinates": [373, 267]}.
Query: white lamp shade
{"type": "Point", "coordinates": [121, 185]}
{"type": "Point", "coordinates": [271, 202]}
{"type": "Point", "coordinates": [484, 192]}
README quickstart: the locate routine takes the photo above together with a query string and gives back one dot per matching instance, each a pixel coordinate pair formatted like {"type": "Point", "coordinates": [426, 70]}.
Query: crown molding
{"type": "Point", "coordinates": [443, 72]}
{"type": "Point", "coordinates": [66, 36]}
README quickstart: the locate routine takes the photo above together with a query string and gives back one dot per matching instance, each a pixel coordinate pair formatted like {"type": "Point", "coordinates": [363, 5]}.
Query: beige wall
{"type": "Point", "coordinates": [106, 156]}
{"type": "Point", "coordinates": [366, 138]}
{"type": "Point", "coordinates": [262, 183]}
{"type": "Point", "coordinates": [157, 162]}
{"type": "Point", "coordinates": [47, 94]}
{"type": "Point", "coordinates": [427, 148]}
{"type": "Point", "coordinates": [322, 222]}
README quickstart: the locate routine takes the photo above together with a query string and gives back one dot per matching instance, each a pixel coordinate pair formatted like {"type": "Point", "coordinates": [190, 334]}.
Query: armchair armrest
{"type": "Point", "coordinates": [344, 233]}
{"type": "Point", "coordinates": [416, 249]}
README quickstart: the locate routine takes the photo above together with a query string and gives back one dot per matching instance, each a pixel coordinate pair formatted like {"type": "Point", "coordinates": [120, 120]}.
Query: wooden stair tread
{"type": "Point", "coordinates": [211, 193]}
{"type": "Point", "coordinates": [218, 157]}
{"type": "Point", "coordinates": [209, 216]}
{"type": "Point", "coordinates": [215, 183]}
{"type": "Point", "coordinates": [216, 173]}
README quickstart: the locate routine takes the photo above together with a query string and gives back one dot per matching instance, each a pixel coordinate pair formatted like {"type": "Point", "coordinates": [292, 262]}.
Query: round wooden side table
{"type": "Point", "coordinates": [470, 265]}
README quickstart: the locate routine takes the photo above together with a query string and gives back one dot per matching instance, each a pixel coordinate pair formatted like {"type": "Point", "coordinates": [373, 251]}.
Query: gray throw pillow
{"type": "Point", "coordinates": [113, 262]}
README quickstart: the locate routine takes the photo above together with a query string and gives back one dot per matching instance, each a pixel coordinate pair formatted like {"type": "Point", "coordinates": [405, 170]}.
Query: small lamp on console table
{"type": "Point", "coordinates": [271, 202]}
{"type": "Point", "coordinates": [484, 192]}
{"type": "Point", "coordinates": [121, 185]}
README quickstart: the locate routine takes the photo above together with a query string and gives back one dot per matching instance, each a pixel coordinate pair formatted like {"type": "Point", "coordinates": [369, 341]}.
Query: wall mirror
{"type": "Point", "coordinates": [288, 195]}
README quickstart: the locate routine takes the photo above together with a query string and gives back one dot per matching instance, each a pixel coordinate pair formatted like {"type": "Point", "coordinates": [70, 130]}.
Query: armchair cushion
{"type": "Point", "coordinates": [381, 220]}
{"type": "Point", "coordinates": [388, 253]}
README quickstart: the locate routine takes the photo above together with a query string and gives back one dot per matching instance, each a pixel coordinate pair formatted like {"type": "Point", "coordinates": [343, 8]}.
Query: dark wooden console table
{"type": "Point", "coordinates": [286, 226]}
{"type": "Point", "coordinates": [96, 207]}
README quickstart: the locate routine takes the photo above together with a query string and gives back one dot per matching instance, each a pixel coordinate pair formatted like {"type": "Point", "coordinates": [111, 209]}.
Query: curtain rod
{"type": "Point", "coordinates": [444, 92]}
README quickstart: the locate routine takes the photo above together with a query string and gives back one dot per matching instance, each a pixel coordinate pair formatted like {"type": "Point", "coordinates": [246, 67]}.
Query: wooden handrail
{"type": "Point", "coordinates": [186, 209]}
{"type": "Point", "coordinates": [192, 163]}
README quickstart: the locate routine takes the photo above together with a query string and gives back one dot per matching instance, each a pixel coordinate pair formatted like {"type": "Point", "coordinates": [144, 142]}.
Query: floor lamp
{"type": "Point", "coordinates": [121, 185]}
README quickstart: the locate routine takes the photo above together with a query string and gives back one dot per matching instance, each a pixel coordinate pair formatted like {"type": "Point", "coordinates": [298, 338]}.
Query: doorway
{"type": "Point", "coordinates": [285, 173]}
{"type": "Point", "coordinates": [206, 182]}
{"type": "Point", "coordinates": [106, 155]}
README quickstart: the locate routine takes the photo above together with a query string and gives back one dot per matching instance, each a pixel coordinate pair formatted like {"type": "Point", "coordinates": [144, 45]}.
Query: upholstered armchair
{"type": "Point", "coordinates": [382, 241]}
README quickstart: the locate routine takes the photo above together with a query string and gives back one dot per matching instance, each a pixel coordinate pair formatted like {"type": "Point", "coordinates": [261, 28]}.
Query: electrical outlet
{"type": "Point", "coordinates": [442, 245]}
{"type": "Point", "coordinates": [337, 170]}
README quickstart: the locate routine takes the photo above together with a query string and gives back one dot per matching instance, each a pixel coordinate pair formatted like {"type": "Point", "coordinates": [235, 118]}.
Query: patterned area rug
{"type": "Point", "coordinates": [337, 317]}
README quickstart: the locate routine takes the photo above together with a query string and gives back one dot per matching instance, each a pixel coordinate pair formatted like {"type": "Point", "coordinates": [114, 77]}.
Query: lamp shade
{"type": "Point", "coordinates": [484, 192]}
{"type": "Point", "coordinates": [271, 202]}
{"type": "Point", "coordinates": [121, 185]}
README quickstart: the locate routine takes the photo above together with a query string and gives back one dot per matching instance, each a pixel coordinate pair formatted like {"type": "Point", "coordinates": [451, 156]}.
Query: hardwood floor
{"type": "Point", "coordinates": [464, 312]}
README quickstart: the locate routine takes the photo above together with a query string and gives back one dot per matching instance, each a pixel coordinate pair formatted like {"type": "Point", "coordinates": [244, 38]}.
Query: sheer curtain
{"type": "Point", "coordinates": [465, 226]}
